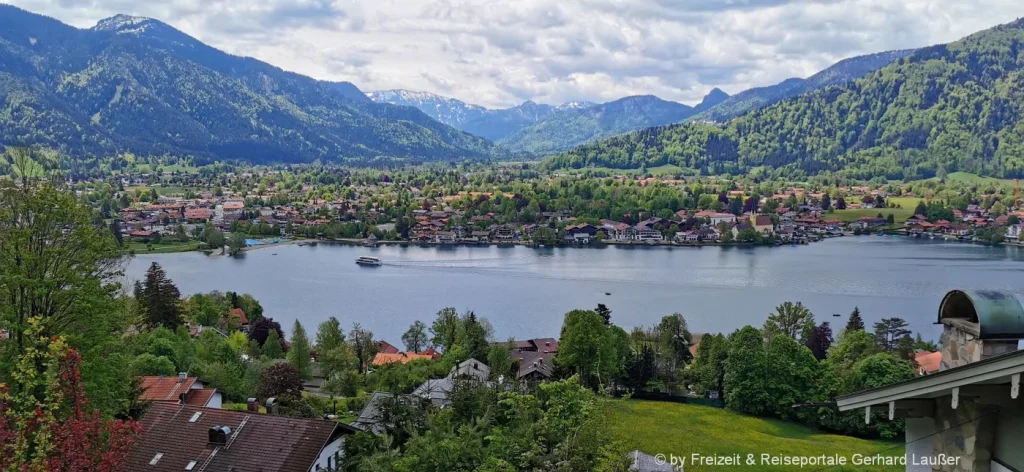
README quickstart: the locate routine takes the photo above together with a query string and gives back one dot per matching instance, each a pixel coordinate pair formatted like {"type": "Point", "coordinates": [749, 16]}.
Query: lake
{"type": "Point", "coordinates": [524, 292]}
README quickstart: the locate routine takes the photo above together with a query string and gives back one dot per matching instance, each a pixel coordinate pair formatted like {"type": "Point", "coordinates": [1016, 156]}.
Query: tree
{"type": "Point", "coordinates": [791, 371]}
{"type": "Point", "coordinates": [826, 202]}
{"type": "Point", "coordinates": [499, 359]}
{"type": "Point", "coordinates": [474, 337]}
{"type": "Point", "coordinates": [271, 348]}
{"type": "Point", "coordinates": [889, 332]}
{"type": "Point", "coordinates": [747, 381]}
{"type": "Point", "coordinates": [840, 203]}
{"type": "Point", "coordinates": [115, 229]}
{"type": "Point", "coordinates": [675, 339]}
{"type": "Point", "coordinates": [790, 319]}
{"type": "Point", "coordinates": [921, 208]}
{"type": "Point", "coordinates": [362, 345]}
{"type": "Point", "coordinates": [820, 340]}
{"type": "Point", "coordinates": [46, 421]}
{"type": "Point", "coordinates": [856, 322]}
{"type": "Point", "coordinates": [299, 352]}
{"type": "Point", "coordinates": [709, 364]}
{"type": "Point", "coordinates": [215, 238]}
{"type": "Point", "coordinates": [329, 335]}
{"type": "Point", "coordinates": [587, 347]}
{"type": "Point", "coordinates": [641, 367]}
{"type": "Point", "coordinates": [604, 312]}
{"type": "Point", "coordinates": [921, 345]}
{"type": "Point", "coordinates": [161, 299]}
{"type": "Point", "coordinates": [446, 329]}
{"type": "Point", "coordinates": [259, 330]}
{"type": "Point", "coordinates": [415, 338]}
{"type": "Point", "coordinates": [56, 265]}
{"type": "Point", "coordinates": [237, 243]}
{"type": "Point", "coordinates": [279, 380]}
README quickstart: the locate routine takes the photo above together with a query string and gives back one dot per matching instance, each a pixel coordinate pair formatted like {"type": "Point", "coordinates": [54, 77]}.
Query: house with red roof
{"type": "Point", "coordinates": [180, 390]}
{"type": "Point", "coordinates": [187, 437]}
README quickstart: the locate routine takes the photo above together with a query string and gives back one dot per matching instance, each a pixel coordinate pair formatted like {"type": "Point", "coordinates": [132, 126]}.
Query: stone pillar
{"type": "Point", "coordinates": [963, 436]}
{"type": "Point", "coordinates": [961, 346]}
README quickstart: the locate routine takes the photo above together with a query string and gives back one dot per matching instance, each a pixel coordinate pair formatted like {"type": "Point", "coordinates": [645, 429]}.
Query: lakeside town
{"type": "Point", "coordinates": [157, 215]}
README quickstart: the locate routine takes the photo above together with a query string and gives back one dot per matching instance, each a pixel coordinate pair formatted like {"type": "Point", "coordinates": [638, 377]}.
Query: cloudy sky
{"type": "Point", "coordinates": [500, 53]}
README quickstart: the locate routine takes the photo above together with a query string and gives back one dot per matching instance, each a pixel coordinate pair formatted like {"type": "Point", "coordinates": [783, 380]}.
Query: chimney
{"type": "Point", "coordinates": [251, 406]}
{"type": "Point", "coordinates": [272, 406]}
{"type": "Point", "coordinates": [979, 324]}
{"type": "Point", "coordinates": [219, 435]}
{"type": "Point", "coordinates": [182, 376]}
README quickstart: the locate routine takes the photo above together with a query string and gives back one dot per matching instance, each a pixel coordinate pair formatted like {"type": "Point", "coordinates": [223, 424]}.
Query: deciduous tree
{"type": "Point", "coordinates": [790, 319]}
{"type": "Point", "coordinates": [415, 338]}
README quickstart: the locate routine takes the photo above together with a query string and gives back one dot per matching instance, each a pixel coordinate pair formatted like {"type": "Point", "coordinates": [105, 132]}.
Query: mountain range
{"type": "Point", "coordinates": [138, 85]}
{"type": "Point", "coordinates": [841, 72]}
{"type": "Point", "coordinates": [949, 107]}
{"type": "Point", "coordinates": [493, 124]}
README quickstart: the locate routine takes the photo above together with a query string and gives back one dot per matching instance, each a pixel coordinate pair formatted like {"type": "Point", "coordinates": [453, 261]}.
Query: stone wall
{"type": "Point", "coordinates": [968, 432]}
{"type": "Point", "coordinates": [961, 347]}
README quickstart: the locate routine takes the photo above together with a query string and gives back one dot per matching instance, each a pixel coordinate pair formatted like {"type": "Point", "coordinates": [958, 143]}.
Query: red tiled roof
{"type": "Point", "coordinates": [262, 443]}
{"type": "Point", "coordinates": [387, 348]}
{"type": "Point", "coordinates": [929, 362]}
{"type": "Point", "coordinates": [240, 314]}
{"type": "Point", "coordinates": [199, 396]}
{"type": "Point", "coordinates": [157, 389]}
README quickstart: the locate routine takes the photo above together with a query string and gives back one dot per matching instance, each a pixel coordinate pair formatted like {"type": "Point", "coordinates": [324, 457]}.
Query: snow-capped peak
{"type": "Point", "coordinates": [577, 105]}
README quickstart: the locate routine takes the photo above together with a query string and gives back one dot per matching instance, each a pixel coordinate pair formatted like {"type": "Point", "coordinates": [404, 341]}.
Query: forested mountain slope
{"type": "Point", "coordinates": [139, 85]}
{"type": "Point", "coordinates": [840, 72]}
{"type": "Point", "coordinates": [955, 106]}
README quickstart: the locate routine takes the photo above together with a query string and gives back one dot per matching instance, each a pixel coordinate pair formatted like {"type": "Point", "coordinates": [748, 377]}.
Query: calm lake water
{"type": "Point", "coordinates": [525, 292]}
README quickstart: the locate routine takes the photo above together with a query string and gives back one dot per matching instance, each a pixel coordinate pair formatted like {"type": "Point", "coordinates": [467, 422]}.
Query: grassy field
{"type": "Point", "coordinates": [907, 205]}
{"type": "Point", "coordinates": [162, 247]}
{"type": "Point", "coordinates": [681, 429]}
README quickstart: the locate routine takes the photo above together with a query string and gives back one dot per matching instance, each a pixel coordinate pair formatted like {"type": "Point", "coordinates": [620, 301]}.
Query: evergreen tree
{"type": "Point", "coordinates": [161, 299]}
{"type": "Point", "coordinates": [272, 346]}
{"type": "Point", "coordinates": [475, 337]}
{"type": "Point", "coordinates": [889, 334]}
{"type": "Point", "coordinates": [299, 352]}
{"type": "Point", "coordinates": [856, 323]}
{"type": "Point", "coordinates": [115, 229]}
{"type": "Point", "coordinates": [605, 313]}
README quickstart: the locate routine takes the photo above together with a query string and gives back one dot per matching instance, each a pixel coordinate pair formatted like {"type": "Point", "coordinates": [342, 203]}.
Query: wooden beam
{"type": "Point", "coordinates": [914, 409]}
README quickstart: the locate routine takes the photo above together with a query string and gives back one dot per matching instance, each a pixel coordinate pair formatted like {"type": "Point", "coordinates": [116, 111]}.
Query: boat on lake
{"type": "Point", "coordinates": [368, 261]}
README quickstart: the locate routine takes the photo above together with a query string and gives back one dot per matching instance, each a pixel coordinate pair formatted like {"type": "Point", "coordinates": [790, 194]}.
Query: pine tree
{"type": "Point", "coordinates": [161, 299]}
{"type": "Point", "coordinates": [272, 346]}
{"type": "Point", "coordinates": [855, 323]}
{"type": "Point", "coordinates": [605, 313]}
{"type": "Point", "coordinates": [298, 353]}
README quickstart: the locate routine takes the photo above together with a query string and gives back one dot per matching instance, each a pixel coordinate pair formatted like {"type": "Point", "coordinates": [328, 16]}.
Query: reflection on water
{"type": "Point", "coordinates": [525, 292]}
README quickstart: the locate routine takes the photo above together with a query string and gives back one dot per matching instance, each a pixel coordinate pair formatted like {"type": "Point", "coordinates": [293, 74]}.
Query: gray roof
{"type": "Point", "coordinates": [644, 462]}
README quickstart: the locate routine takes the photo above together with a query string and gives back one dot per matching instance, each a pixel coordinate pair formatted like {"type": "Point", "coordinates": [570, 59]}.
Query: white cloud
{"type": "Point", "coordinates": [498, 53]}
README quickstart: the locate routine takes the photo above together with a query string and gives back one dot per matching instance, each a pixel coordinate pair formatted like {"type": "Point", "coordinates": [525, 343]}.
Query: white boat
{"type": "Point", "coordinates": [368, 261]}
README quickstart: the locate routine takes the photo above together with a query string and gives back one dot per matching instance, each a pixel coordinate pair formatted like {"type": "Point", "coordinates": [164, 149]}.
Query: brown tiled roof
{"type": "Point", "coordinates": [264, 443]}
{"type": "Point", "coordinates": [157, 388]}
{"type": "Point", "coordinates": [199, 396]}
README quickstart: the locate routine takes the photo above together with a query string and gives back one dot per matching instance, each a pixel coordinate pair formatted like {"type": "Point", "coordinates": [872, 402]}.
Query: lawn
{"type": "Point", "coordinates": [681, 429]}
{"type": "Point", "coordinates": [161, 247]}
{"type": "Point", "coordinates": [907, 205]}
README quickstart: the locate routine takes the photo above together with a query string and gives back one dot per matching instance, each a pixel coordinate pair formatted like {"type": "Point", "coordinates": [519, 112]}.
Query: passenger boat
{"type": "Point", "coordinates": [368, 261]}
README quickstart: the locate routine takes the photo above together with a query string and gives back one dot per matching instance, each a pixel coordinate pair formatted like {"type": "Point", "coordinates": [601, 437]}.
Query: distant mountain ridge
{"type": "Point", "coordinates": [493, 124]}
{"type": "Point", "coordinates": [944, 108]}
{"type": "Point", "coordinates": [840, 72]}
{"type": "Point", "coordinates": [133, 84]}
{"type": "Point", "coordinates": [568, 129]}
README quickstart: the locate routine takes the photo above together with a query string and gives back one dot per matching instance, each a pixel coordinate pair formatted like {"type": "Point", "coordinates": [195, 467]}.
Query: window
{"type": "Point", "coordinates": [191, 465]}
{"type": "Point", "coordinates": [195, 417]}
{"type": "Point", "coordinates": [156, 458]}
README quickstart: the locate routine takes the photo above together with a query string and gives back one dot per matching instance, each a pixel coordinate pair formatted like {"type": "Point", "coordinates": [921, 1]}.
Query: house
{"type": "Point", "coordinates": [385, 347]}
{"type": "Point", "coordinates": [1014, 231]}
{"type": "Point", "coordinates": [384, 358]}
{"type": "Point", "coordinates": [762, 224]}
{"type": "Point", "coordinates": [686, 237]}
{"type": "Point", "coordinates": [180, 390]}
{"type": "Point", "coordinates": [186, 437]}
{"type": "Point", "coordinates": [535, 358]}
{"type": "Point", "coordinates": [647, 233]}
{"type": "Point", "coordinates": [240, 314]}
{"type": "Point", "coordinates": [970, 411]}
{"type": "Point", "coordinates": [445, 237]}
{"type": "Point", "coordinates": [928, 362]}
{"type": "Point", "coordinates": [143, 235]}
{"type": "Point", "coordinates": [198, 215]}
{"type": "Point", "coordinates": [503, 233]}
